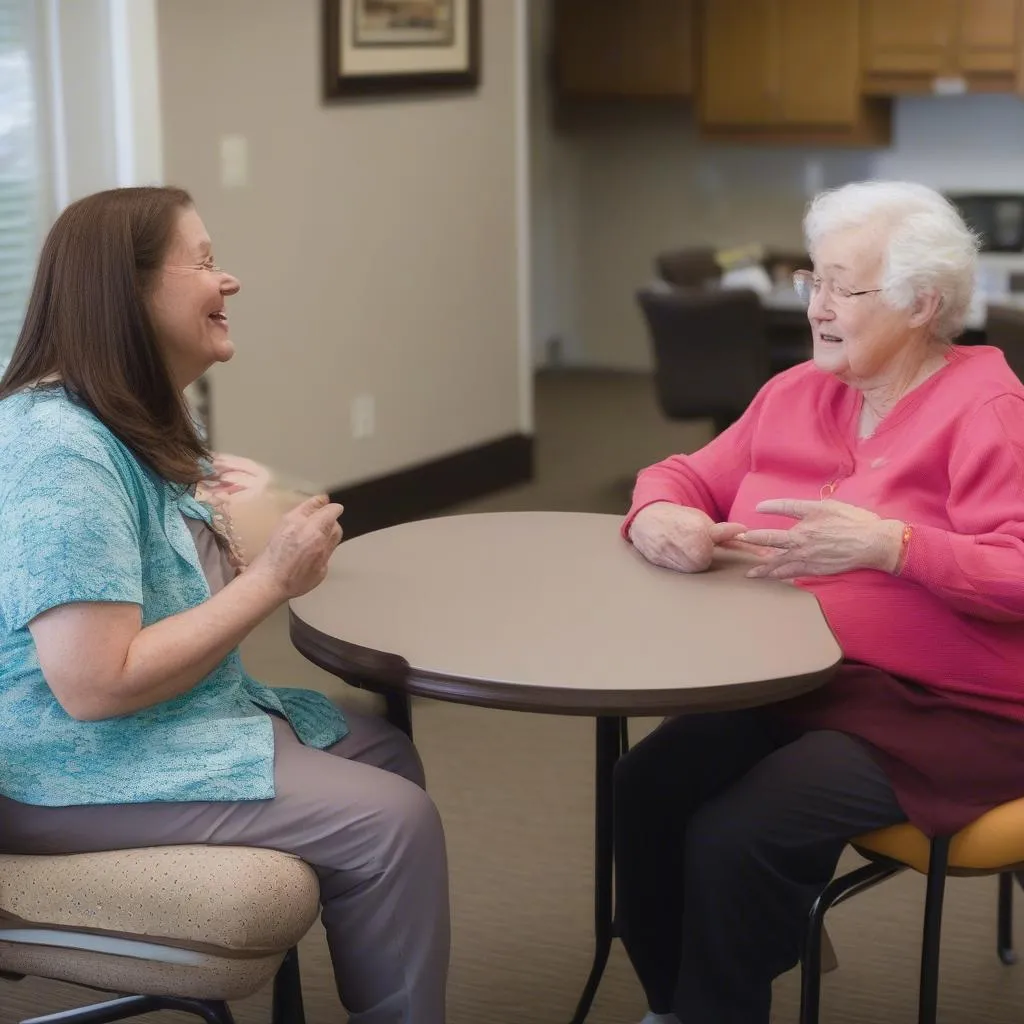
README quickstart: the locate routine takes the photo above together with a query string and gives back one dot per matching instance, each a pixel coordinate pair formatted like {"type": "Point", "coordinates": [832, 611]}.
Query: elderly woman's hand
{"type": "Point", "coordinates": [829, 537]}
{"type": "Point", "coordinates": [677, 537]}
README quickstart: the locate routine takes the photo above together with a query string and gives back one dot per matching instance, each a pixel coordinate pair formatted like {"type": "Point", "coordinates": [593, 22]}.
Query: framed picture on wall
{"type": "Point", "coordinates": [395, 46]}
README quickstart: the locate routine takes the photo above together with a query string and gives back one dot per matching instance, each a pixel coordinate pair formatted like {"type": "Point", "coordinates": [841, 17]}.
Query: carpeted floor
{"type": "Point", "coordinates": [515, 793]}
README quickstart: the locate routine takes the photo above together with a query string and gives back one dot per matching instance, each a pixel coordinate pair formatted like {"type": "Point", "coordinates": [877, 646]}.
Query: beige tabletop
{"type": "Point", "coordinates": [554, 612]}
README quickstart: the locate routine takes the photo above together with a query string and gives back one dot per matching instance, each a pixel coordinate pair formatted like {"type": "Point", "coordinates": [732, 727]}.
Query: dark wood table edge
{"type": "Point", "coordinates": [384, 672]}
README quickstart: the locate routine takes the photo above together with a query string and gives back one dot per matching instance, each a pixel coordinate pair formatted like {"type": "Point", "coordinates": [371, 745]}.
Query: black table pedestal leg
{"type": "Point", "coordinates": [399, 711]}
{"type": "Point", "coordinates": [612, 741]}
{"type": "Point", "coordinates": [398, 708]}
{"type": "Point", "coordinates": [611, 744]}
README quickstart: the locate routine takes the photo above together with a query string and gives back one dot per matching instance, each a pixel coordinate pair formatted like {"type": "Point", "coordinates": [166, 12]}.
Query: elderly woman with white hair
{"type": "Point", "coordinates": [886, 477]}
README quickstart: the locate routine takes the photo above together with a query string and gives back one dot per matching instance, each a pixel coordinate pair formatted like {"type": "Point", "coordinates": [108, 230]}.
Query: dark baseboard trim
{"type": "Point", "coordinates": [434, 486]}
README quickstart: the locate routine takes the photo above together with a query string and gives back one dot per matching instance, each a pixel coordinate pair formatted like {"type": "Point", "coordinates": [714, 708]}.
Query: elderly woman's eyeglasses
{"type": "Point", "coordinates": [808, 285]}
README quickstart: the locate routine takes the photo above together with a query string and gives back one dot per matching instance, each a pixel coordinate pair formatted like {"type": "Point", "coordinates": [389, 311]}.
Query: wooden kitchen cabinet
{"type": "Point", "coordinates": [619, 49]}
{"type": "Point", "coordinates": [989, 39]}
{"type": "Point", "coordinates": [739, 69]}
{"type": "Point", "coordinates": [907, 36]}
{"type": "Point", "coordinates": [785, 70]}
{"type": "Point", "coordinates": [819, 83]}
{"type": "Point", "coordinates": [921, 46]}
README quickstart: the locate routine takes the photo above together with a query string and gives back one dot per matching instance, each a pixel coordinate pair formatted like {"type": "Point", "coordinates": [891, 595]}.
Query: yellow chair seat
{"type": "Point", "coordinates": [994, 842]}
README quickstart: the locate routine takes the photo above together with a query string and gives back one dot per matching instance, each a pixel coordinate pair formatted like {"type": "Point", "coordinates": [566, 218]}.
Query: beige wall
{"type": "Point", "coordinates": [627, 181]}
{"type": "Point", "coordinates": [376, 241]}
{"type": "Point", "coordinates": [648, 184]}
{"type": "Point", "coordinates": [554, 209]}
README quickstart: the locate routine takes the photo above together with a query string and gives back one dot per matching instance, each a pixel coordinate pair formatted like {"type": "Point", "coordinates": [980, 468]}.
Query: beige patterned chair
{"type": "Point", "coordinates": [177, 927]}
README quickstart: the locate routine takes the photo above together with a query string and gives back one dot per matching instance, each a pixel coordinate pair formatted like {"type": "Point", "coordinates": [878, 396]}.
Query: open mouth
{"type": "Point", "coordinates": [220, 317]}
{"type": "Point", "coordinates": [830, 339]}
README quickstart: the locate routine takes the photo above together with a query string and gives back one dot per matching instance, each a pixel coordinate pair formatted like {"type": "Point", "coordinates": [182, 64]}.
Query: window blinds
{"type": "Point", "coordinates": [21, 179]}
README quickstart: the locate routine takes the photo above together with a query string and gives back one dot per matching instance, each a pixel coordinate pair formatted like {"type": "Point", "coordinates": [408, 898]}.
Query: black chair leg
{"type": "Point", "coordinates": [212, 1012]}
{"type": "Point", "coordinates": [810, 968]}
{"type": "Point", "coordinates": [838, 890]}
{"type": "Point", "coordinates": [930, 943]}
{"type": "Point", "coordinates": [1004, 937]}
{"type": "Point", "coordinates": [287, 1001]}
{"type": "Point", "coordinates": [101, 1013]}
{"type": "Point", "coordinates": [216, 1013]}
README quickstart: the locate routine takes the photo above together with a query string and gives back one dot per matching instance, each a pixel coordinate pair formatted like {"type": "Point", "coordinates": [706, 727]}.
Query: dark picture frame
{"type": "Point", "coordinates": [379, 47]}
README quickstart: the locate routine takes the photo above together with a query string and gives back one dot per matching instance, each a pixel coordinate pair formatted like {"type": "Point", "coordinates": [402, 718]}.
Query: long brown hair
{"type": "Point", "coordinates": [88, 324]}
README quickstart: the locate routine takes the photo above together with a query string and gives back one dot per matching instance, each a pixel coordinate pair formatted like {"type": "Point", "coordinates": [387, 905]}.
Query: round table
{"type": "Point", "coordinates": [554, 612]}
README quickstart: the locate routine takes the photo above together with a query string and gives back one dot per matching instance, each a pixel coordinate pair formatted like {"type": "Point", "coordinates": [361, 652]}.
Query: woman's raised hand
{"type": "Point", "coordinates": [296, 556]}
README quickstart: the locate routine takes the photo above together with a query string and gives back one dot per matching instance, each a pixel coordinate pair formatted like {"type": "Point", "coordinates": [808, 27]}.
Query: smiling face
{"type": "Point", "coordinates": [862, 339]}
{"type": "Point", "coordinates": [187, 303]}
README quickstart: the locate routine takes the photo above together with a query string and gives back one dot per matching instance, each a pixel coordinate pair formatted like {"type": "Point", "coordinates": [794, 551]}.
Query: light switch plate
{"type": "Point", "coordinates": [234, 161]}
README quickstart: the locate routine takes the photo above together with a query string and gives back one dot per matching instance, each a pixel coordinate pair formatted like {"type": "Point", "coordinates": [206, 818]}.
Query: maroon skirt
{"type": "Point", "coordinates": [948, 764]}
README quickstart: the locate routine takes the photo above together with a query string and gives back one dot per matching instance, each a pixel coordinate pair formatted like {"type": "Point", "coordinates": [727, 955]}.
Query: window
{"type": "Point", "coordinates": [21, 177]}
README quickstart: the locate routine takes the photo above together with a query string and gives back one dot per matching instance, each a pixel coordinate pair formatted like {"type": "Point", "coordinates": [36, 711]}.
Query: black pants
{"type": "Point", "coordinates": [726, 831]}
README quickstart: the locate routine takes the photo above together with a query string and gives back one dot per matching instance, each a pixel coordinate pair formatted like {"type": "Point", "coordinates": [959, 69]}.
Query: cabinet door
{"type": "Point", "coordinates": [989, 36]}
{"type": "Point", "coordinates": [588, 51]}
{"type": "Point", "coordinates": [909, 36]}
{"type": "Point", "coordinates": [659, 39]}
{"type": "Point", "coordinates": [610, 48]}
{"type": "Point", "coordinates": [819, 62]}
{"type": "Point", "coordinates": [740, 69]}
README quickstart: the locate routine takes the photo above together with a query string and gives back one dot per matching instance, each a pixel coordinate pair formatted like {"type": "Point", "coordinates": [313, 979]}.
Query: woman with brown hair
{"type": "Point", "coordinates": [128, 719]}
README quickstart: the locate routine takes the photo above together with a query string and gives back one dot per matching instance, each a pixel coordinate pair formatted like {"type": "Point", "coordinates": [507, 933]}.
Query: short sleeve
{"type": "Point", "coordinates": [69, 532]}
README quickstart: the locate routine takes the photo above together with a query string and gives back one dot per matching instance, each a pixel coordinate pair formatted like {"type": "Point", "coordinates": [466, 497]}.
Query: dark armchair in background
{"type": "Point", "coordinates": [692, 267]}
{"type": "Point", "coordinates": [695, 266]}
{"type": "Point", "coordinates": [781, 263]}
{"type": "Point", "coordinates": [710, 350]}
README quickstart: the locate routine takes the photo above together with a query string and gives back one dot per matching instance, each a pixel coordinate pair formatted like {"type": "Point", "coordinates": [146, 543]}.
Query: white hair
{"type": "Point", "coordinates": [929, 248]}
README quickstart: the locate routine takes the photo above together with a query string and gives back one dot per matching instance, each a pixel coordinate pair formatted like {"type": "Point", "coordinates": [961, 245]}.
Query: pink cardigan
{"type": "Point", "coordinates": [949, 459]}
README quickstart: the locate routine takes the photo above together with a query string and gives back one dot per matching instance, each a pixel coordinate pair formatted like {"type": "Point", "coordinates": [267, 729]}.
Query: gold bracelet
{"type": "Point", "coordinates": [901, 561]}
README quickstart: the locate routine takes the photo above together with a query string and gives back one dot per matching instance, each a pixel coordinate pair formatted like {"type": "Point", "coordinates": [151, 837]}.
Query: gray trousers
{"type": "Point", "coordinates": [357, 813]}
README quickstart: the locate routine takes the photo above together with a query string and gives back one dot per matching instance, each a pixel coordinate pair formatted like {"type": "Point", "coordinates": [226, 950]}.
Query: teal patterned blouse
{"type": "Point", "coordinates": [82, 519]}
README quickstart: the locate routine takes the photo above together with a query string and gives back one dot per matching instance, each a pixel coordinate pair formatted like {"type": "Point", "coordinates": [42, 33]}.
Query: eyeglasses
{"type": "Point", "coordinates": [808, 286]}
{"type": "Point", "coordinates": [207, 265]}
